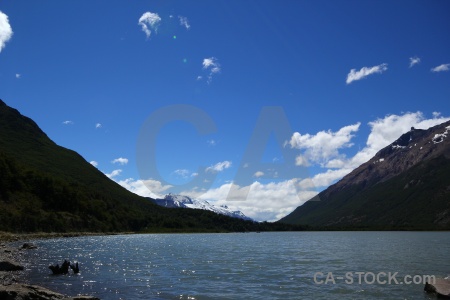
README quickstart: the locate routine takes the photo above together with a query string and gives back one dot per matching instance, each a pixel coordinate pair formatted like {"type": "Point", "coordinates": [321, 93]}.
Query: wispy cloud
{"type": "Point", "coordinates": [18, 75]}
{"type": "Point", "coordinates": [364, 72]}
{"type": "Point", "coordinates": [149, 21]}
{"type": "Point", "coordinates": [114, 173]}
{"type": "Point", "coordinates": [219, 167]}
{"type": "Point", "coordinates": [98, 125]}
{"type": "Point", "coordinates": [441, 68]}
{"type": "Point", "coordinates": [94, 163]}
{"type": "Point", "coordinates": [122, 161]}
{"type": "Point", "coordinates": [5, 30]}
{"type": "Point", "coordinates": [184, 173]}
{"type": "Point", "coordinates": [68, 122]}
{"type": "Point", "coordinates": [212, 142]}
{"type": "Point", "coordinates": [212, 66]}
{"type": "Point", "coordinates": [184, 22]}
{"type": "Point", "coordinates": [414, 61]}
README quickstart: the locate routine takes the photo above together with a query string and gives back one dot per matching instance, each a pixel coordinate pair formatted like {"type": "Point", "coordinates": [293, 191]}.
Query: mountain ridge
{"type": "Point", "coordinates": [46, 187]}
{"type": "Point", "coordinates": [171, 200]}
{"type": "Point", "coordinates": [403, 186]}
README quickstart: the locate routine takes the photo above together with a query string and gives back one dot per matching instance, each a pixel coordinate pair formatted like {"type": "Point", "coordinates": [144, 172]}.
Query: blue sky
{"type": "Point", "coordinates": [350, 77]}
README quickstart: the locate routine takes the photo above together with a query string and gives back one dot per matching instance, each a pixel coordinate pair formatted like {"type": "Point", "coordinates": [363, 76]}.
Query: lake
{"type": "Point", "coordinates": [286, 265]}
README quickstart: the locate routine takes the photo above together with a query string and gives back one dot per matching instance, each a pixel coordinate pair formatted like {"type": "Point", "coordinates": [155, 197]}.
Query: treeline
{"type": "Point", "coordinates": [33, 201]}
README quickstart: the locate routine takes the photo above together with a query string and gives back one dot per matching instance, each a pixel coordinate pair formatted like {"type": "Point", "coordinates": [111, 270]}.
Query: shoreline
{"type": "Point", "coordinates": [11, 266]}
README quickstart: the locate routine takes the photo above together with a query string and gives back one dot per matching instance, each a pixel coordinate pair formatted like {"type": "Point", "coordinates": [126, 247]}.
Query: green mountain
{"type": "Point", "coordinates": [405, 186]}
{"type": "Point", "coordinates": [46, 187]}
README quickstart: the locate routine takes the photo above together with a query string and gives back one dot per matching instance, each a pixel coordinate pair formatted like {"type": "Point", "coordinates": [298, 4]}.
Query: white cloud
{"type": "Point", "coordinates": [211, 65]}
{"type": "Point", "coordinates": [5, 30]}
{"type": "Point", "coordinates": [219, 167]}
{"type": "Point", "coordinates": [149, 21]}
{"type": "Point", "coordinates": [94, 163]}
{"type": "Point", "coordinates": [98, 125]}
{"type": "Point", "coordinates": [263, 202]}
{"type": "Point", "coordinates": [18, 76]}
{"type": "Point", "coordinates": [324, 179]}
{"type": "Point", "coordinates": [441, 68]}
{"type": "Point", "coordinates": [114, 173]}
{"type": "Point", "coordinates": [388, 129]}
{"type": "Point", "coordinates": [145, 188]}
{"type": "Point", "coordinates": [364, 72]}
{"type": "Point", "coordinates": [184, 22]}
{"type": "Point", "coordinates": [120, 160]}
{"type": "Point", "coordinates": [323, 146]}
{"type": "Point", "coordinates": [413, 61]}
{"type": "Point", "coordinates": [68, 122]}
{"type": "Point", "coordinates": [258, 174]}
{"type": "Point", "coordinates": [302, 161]}
{"type": "Point", "coordinates": [182, 173]}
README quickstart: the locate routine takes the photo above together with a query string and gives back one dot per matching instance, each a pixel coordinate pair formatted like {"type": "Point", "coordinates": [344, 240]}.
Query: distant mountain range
{"type": "Point", "coordinates": [46, 187]}
{"type": "Point", "coordinates": [172, 201]}
{"type": "Point", "coordinates": [406, 185]}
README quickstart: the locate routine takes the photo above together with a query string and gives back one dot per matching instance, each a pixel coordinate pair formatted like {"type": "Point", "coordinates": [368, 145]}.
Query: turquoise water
{"type": "Point", "coordinates": [243, 266]}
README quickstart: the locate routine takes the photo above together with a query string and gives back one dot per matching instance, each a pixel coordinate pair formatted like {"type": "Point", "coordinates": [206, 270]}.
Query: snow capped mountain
{"type": "Point", "coordinates": [172, 200]}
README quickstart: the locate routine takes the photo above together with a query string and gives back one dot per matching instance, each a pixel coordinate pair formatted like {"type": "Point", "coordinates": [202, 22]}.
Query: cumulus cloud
{"type": "Point", "coordinates": [68, 122]}
{"type": "Point", "coordinates": [98, 125]}
{"type": "Point", "coordinates": [302, 161]}
{"type": "Point", "coordinates": [121, 160]}
{"type": "Point", "coordinates": [94, 163]}
{"type": "Point", "coordinates": [364, 72]}
{"type": "Point", "coordinates": [145, 188]}
{"type": "Point", "coordinates": [212, 66]}
{"type": "Point", "coordinates": [322, 146]}
{"type": "Point", "coordinates": [413, 61]}
{"type": "Point", "coordinates": [114, 173]}
{"type": "Point", "coordinates": [324, 179]}
{"type": "Point", "coordinates": [441, 68]}
{"type": "Point", "coordinates": [219, 167]}
{"type": "Point", "coordinates": [149, 21]}
{"type": "Point", "coordinates": [5, 30]}
{"type": "Point", "coordinates": [258, 174]}
{"type": "Point", "coordinates": [184, 22]}
{"type": "Point", "coordinates": [261, 202]}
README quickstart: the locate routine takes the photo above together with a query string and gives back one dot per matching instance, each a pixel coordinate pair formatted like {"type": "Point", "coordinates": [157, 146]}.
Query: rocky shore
{"type": "Point", "coordinates": [10, 268]}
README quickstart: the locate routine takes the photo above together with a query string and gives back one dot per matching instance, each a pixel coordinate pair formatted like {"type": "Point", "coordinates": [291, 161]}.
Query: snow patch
{"type": "Point", "coordinates": [398, 147]}
{"type": "Point", "coordinates": [439, 137]}
{"type": "Point", "coordinates": [172, 200]}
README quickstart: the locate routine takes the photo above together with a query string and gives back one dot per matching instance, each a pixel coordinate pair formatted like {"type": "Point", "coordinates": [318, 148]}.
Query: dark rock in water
{"type": "Point", "coordinates": [8, 265]}
{"type": "Point", "coordinates": [28, 246]}
{"type": "Point", "coordinates": [26, 292]}
{"type": "Point", "coordinates": [64, 269]}
{"type": "Point", "coordinates": [75, 268]}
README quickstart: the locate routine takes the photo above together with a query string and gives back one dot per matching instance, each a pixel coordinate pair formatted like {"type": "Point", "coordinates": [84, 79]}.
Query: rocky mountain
{"type": "Point", "coordinates": [46, 187]}
{"type": "Point", "coordinates": [406, 185]}
{"type": "Point", "coordinates": [171, 200]}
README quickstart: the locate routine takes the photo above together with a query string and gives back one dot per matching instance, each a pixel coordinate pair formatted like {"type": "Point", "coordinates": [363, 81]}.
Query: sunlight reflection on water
{"type": "Point", "coordinates": [238, 266]}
